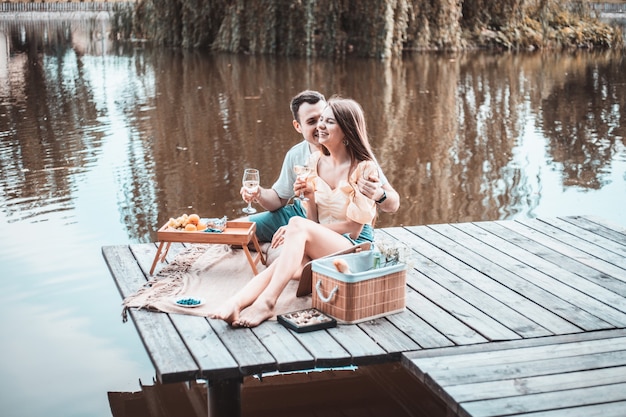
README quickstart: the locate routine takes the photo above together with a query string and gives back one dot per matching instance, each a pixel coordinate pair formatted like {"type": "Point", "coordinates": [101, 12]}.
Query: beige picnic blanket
{"type": "Point", "coordinates": [212, 272]}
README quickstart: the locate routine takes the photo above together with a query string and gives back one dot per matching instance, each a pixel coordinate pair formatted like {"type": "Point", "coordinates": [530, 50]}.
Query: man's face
{"type": "Point", "coordinates": [309, 114]}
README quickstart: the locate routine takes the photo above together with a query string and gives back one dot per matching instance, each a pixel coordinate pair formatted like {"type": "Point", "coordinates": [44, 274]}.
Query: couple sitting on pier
{"type": "Point", "coordinates": [343, 193]}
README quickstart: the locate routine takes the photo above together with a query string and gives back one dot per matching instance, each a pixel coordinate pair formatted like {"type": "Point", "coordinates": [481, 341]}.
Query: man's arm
{"type": "Point", "coordinates": [387, 199]}
{"type": "Point", "coordinates": [268, 199]}
{"type": "Point", "coordinates": [391, 204]}
{"type": "Point", "coordinates": [390, 197]}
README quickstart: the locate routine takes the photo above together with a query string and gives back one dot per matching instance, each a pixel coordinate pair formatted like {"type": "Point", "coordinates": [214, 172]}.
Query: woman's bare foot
{"type": "Point", "coordinates": [229, 312]}
{"type": "Point", "coordinates": [256, 314]}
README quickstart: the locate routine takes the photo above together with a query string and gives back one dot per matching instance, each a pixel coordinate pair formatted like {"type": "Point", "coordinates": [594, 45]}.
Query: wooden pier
{"type": "Point", "coordinates": [503, 318]}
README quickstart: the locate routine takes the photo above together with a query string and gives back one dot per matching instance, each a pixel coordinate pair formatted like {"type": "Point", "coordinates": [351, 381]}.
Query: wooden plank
{"type": "Point", "coordinates": [290, 355]}
{"type": "Point", "coordinates": [513, 374]}
{"type": "Point", "coordinates": [522, 354]}
{"type": "Point", "coordinates": [487, 326]}
{"type": "Point", "coordinates": [516, 254]}
{"type": "Point", "coordinates": [589, 313]}
{"type": "Point", "coordinates": [546, 401]}
{"type": "Point", "coordinates": [601, 247]}
{"type": "Point", "coordinates": [513, 344]}
{"type": "Point", "coordinates": [614, 284]}
{"type": "Point", "coordinates": [451, 327]}
{"type": "Point", "coordinates": [471, 378]}
{"type": "Point", "coordinates": [245, 347]}
{"type": "Point", "coordinates": [144, 254]}
{"type": "Point", "coordinates": [124, 269]}
{"type": "Point", "coordinates": [363, 349]}
{"type": "Point", "coordinates": [459, 298]}
{"type": "Point", "coordinates": [536, 384]}
{"type": "Point", "coordinates": [419, 330]}
{"type": "Point", "coordinates": [168, 353]}
{"type": "Point", "coordinates": [439, 327]}
{"type": "Point", "coordinates": [392, 339]}
{"type": "Point", "coordinates": [526, 298]}
{"type": "Point", "coordinates": [203, 343]}
{"type": "Point", "coordinates": [171, 359]}
{"type": "Point", "coordinates": [499, 283]}
{"type": "Point", "coordinates": [484, 373]}
{"type": "Point", "coordinates": [608, 258]}
{"type": "Point", "coordinates": [252, 356]}
{"type": "Point", "coordinates": [572, 260]}
{"type": "Point", "coordinates": [613, 409]}
{"type": "Point", "coordinates": [411, 359]}
{"type": "Point", "coordinates": [207, 349]}
{"type": "Point", "coordinates": [615, 232]}
{"type": "Point", "coordinates": [325, 350]}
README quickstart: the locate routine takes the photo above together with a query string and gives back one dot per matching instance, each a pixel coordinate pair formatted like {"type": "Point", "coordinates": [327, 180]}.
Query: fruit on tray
{"type": "Point", "coordinates": [187, 222]}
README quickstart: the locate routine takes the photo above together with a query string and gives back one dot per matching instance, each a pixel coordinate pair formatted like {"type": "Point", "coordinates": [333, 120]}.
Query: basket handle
{"type": "Point", "coordinates": [318, 288]}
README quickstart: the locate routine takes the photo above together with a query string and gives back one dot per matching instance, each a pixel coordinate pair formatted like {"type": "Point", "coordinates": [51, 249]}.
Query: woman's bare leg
{"type": "Point", "coordinates": [230, 309]}
{"type": "Point", "coordinates": [303, 238]}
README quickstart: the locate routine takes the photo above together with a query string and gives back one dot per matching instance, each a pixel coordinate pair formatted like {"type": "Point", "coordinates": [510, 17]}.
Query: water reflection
{"type": "Point", "coordinates": [583, 117]}
{"type": "Point", "coordinates": [49, 118]}
{"type": "Point", "coordinates": [101, 143]}
{"type": "Point", "coordinates": [187, 123]}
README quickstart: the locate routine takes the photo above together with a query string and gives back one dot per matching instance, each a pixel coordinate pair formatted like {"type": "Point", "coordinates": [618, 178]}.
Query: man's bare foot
{"type": "Point", "coordinates": [229, 312]}
{"type": "Point", "coordinates": [256, 314]}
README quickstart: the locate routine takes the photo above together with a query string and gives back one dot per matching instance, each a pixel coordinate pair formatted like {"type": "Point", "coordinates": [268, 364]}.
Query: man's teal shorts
{"type": "Point", "coordinates": [268, 222]}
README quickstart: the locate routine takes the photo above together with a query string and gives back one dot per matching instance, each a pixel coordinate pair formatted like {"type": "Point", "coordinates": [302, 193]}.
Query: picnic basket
{"type": "Point", "coordinates": [363, 293]}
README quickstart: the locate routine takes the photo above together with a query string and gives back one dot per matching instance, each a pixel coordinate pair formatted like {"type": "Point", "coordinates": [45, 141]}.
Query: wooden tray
{"type": "Point", "coordinates": [236, 233]}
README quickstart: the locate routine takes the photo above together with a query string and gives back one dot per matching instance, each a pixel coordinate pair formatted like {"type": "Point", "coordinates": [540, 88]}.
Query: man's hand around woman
{"type": "Point", "coordinates": [371, 187]}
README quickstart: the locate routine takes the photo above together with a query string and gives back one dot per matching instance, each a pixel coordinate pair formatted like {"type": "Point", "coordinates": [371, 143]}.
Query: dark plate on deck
{"type": "Point", "coordinates": [306, 320]}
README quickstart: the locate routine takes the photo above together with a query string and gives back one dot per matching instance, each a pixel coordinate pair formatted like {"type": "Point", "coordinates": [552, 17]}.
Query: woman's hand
{"type": "Point", "coordinates": [279, 237]}
{"type": "Point", "coordinates": [301, 187]}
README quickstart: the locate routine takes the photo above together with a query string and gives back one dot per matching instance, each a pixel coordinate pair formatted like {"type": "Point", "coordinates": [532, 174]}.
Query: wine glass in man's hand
{"type": "Point", "coordinates": [251, 185]}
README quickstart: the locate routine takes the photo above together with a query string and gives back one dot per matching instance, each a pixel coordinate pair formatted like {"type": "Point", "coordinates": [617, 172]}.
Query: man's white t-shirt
{"type": "Point", "coordinates": [298, 155]}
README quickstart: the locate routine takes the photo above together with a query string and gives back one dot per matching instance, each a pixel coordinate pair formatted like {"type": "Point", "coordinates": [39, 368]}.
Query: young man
{"type": "Point", "coordinates": [306, 108]}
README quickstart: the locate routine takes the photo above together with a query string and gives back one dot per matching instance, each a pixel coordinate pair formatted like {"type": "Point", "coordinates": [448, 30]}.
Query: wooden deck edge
{"type": "Point", "coordinates": [513, 344]}
{"type": "Point", "coordinates": [411, 360]}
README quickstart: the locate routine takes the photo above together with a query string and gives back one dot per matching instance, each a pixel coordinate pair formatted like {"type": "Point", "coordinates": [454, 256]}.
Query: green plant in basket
{"type": "Point", "coordinates": [391, 253]}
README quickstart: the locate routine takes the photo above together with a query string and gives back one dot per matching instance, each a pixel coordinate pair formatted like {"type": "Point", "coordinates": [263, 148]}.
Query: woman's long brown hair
{"type": "Point", "coordinates": [351, 119]}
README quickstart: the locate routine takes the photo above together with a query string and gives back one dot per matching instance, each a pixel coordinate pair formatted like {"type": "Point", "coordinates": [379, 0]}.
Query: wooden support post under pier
{"type": "Point", "coordinates": [224, 398]}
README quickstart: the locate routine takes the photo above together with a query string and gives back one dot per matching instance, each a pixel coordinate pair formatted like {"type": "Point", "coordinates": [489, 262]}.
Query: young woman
{"type": "Point", "coordinates": [338, 214]}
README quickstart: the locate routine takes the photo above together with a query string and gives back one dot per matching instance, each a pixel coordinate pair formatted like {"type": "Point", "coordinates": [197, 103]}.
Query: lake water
{"type": "Point", "coordinates": [101, 143]}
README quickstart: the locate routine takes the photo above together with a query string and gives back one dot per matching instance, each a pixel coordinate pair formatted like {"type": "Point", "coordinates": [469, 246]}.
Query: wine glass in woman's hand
{"type": "Point", "coordinates": [251, 185]}
{"type": "Point", "coordinates": [302, 171]}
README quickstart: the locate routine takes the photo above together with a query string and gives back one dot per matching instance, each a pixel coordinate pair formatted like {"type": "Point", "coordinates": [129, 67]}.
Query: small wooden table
{"type": "Point", "coordinates": [236, 233]}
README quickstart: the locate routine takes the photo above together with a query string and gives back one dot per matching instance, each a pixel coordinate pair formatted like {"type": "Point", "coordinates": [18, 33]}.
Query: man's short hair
{"type": "Point", "coordinates": [306, 96]}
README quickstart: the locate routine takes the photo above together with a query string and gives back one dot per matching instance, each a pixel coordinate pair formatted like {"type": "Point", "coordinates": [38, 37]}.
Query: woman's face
{"type": "Point", "coordinates": [330, 134]}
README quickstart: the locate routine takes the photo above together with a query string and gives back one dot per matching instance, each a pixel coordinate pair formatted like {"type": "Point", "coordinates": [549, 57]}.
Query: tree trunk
{"type": "Point", "coordinates": [366, 28]}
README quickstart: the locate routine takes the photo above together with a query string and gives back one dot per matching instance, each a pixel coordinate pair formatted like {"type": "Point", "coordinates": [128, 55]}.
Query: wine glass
{"type": "Point", "coordinates": [302, 171]}
{"type": "Point", "coordinates": [251, 184]}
